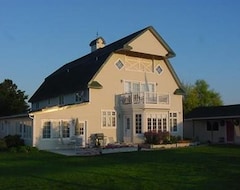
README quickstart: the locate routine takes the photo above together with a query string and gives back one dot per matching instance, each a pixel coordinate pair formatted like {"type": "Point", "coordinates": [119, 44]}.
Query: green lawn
{"type": "Point", "coordinates": [205, 167]}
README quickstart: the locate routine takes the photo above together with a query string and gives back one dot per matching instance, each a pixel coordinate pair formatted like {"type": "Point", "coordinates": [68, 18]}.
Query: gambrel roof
{"type": "Point", "coordinates": [77, 75]}
{"type": "Point", "coordinates": [214, 112]}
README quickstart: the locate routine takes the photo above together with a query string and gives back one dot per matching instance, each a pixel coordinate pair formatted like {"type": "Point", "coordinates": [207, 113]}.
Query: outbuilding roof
{"type": "Point", "coordinates": [76, 75]}
{"type": "Point", "coordinates": [212, 112]}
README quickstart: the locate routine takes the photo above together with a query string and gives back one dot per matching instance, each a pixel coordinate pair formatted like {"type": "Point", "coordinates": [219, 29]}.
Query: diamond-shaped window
{"type": "Point", "coordinates": [119, 64]}
{"type": "Point", "coordinates": [158, 69]}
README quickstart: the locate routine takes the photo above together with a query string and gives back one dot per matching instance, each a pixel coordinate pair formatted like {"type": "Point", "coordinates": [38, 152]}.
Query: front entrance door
{"type": "Point", "coordinates": [230, 131]}
{"type": "Point", "coordinates": [127, 128]}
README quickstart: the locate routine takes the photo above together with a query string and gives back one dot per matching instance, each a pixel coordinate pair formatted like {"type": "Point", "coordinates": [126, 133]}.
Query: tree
{"type": "Point", "coordinates": [12, 100]}
{"type": "Point", "coordinates": [198, 95]}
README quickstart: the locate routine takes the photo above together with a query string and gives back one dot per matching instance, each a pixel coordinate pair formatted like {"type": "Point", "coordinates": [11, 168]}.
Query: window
{"type": "Point", "coordinates": [159, 69]}
{"type": "Point", "coordinates": [46, 132]}
{"type": "Point", "coordinates": [79, 129]}
{"type": "Point", "coordinates": [127, 86]}
{"type": "Point", "coordinates": [164, 124]}
{"type": "Point", "coordinates": [20, 130]}
{"type": "Point", "coordinates": [65, 129]}
{"type": "Point", "coordinates": [61, 100]}
{"type": "Point", "coordinates": [55, 128]}
{"type": "Point", "coordinates": [37, 105]}
{"type": "Point", "coordinates": [108, 118]}
{"type": "Point", "coordinates": [149, 124]}
{"type": "Point", "coordinates": [119, 64]}
{"type": "Point", "coordinates": [159, 124]}
{"type": "Point", "coordinates": [138, 123]}
{"type": "Point", "coordinates": [156, 122]}
{"type": "Point", "coordinates": [173, 122]}
{"type": "Point", "coordinates": [212, 126]}
{"type": "Point", "coordinates": [137, 86]}
{"type": "Point", "coordinates": [215, 126]}
{"type": "Point", "coordinates": [79, 97]}
{"type": "Point", "coordinates": [128, 123]}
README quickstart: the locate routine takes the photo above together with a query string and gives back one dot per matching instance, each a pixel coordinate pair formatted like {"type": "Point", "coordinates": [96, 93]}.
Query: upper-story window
{"type": "Point", "coordinates": [79, 96]}
{"type": "Point", "coordinates": [61, 100]}
{"type": "Point", "coordinates": [137, 86]}
{"type": "Point", "coordinates": [119, 64]}
{"type": "Point", "coordinates": [37, 105]}
{"type": "Point", "coordinates": [158, 69]}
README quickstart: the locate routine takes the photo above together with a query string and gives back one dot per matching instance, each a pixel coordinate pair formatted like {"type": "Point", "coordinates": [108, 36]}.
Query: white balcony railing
{"type": "Point", "coordinates": [145, 98]}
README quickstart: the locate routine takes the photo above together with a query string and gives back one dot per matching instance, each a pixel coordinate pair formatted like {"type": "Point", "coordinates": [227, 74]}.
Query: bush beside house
{"type": "Point", "coordinates": [14, 143]}
{"type": "Point", "coordinates": [154, 139]}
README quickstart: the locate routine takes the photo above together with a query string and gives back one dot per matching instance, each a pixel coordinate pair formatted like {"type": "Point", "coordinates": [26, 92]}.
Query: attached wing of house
{"type": "Point", "coordinates": [120, 90]}
{"type": "Point", "coordinates": [215, 124]}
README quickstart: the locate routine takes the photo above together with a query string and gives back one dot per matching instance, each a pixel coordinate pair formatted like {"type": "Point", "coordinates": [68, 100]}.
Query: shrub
{"type": "Point", "coordinates": [154, 137]}
{"type": "Point", "coordinates": [3, 145]}
{"type": "Point", "coordinates": [13, 141]}
{"type": "Point", "coordinates": [13, 149]}
{"type": "Point", "coordinates": [29, 149]}
{"type": "Point", "coordinates": [22, 149]}
{"type": "Point", "coordinates": [173, 139]}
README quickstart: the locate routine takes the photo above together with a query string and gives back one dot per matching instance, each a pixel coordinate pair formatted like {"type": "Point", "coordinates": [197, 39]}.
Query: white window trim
{"type": "Point", "coordinates": [108, 127]}
{"type": "Point", "coordinates": [156, 116]}
{"type": "Point", "coordinates": [42, 128]}
{"type": "Point", "coordinates": [171, 118]}
{"type": "Point", "coordinates": [142, 124]}
{"type": "Point", "coordinates": [53, 130]}
{"type": "Point", "coordinates": [117, 66]}
{"type": "Point", "coordinates": [155, 69]}
{"type": "Point", "coordinates": [141, 83]}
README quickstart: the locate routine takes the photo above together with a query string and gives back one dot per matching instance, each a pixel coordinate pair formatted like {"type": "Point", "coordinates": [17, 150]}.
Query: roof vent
{"type": "Point", "coordinates": [97, 43]}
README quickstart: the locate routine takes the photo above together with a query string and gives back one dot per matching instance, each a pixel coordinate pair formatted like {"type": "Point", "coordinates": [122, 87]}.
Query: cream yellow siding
{"type": "Point", "coordinates": [148, 43]}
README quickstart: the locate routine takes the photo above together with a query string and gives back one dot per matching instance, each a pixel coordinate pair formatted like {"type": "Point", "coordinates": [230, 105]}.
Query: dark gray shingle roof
{"type": "Point", "coordinates": [76, 75]}
{"type": "Point", "coordinates": [226, 111]}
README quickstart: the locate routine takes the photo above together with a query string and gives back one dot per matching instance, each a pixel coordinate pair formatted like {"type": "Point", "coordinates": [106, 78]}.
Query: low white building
{"type": "Point", "coordinates": [215, 124]}
{"type": "Point", "coordinates": [20, 125]}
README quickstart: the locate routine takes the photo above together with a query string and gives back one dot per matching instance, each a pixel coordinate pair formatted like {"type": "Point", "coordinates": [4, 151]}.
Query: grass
{"type": "Point", "coordinates": [205, 167]}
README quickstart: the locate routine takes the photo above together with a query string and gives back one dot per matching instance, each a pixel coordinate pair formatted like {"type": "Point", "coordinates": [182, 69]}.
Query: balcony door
{"type": "Point", "coordinates": [138, 86]}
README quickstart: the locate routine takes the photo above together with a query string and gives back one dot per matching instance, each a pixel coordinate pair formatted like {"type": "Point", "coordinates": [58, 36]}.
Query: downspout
{"type": "Point", "coordinates": [32, 118]}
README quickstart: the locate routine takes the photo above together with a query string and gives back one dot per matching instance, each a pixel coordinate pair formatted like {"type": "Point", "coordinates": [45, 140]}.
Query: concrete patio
{"type": "Point", "coordinates": [93, 151]}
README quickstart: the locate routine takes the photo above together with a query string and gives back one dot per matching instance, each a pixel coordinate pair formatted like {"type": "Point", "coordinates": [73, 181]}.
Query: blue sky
{"type": "Point", "coordinates": [39, 36]}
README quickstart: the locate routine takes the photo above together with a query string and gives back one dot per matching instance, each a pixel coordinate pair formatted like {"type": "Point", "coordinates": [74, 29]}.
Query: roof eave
{"type": "Point", "coordinates": [214, 117]}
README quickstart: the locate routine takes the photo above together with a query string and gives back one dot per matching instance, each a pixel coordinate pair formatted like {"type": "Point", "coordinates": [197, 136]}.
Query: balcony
{"type": "Point", "coordinates": [145, 100]}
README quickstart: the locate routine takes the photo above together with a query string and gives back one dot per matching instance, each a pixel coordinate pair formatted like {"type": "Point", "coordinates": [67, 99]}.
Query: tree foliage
{"type": "Point", "coordinates": [12, 100]}
{"type": "Point", "coordinates": [198, 95]}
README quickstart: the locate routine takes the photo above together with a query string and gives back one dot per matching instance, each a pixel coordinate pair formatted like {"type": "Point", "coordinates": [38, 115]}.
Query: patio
{"type": "Point", "coordinates": [93, 151]}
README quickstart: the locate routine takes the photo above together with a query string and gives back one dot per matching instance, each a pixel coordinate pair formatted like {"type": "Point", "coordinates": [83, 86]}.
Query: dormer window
{"type": "Point", "coordinates": [79, 97]}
